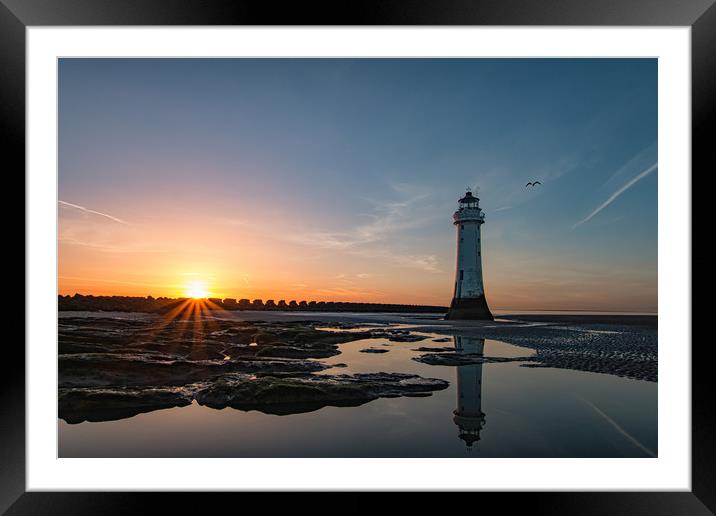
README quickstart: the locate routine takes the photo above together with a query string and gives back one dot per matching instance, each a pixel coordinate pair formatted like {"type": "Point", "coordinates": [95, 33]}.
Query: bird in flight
{"type": "Point", "coordinates": [535, 183]}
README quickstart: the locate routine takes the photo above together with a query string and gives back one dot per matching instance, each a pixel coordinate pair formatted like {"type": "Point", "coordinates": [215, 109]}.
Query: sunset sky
{"type": "Point", "coordinates": [336, 179]}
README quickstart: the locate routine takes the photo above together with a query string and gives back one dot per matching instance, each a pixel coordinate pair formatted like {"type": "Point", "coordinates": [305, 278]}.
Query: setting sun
{"type": "Point", "coordinates": [197, 290]}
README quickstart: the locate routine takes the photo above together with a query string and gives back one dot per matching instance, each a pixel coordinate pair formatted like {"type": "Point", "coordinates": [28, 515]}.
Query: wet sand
{"type": "Point", "coordinates": [117, 366]}
{"type": "Point", "coordinates": [623, 345]}
{"type": "Point", "coordinates": [588, 319]}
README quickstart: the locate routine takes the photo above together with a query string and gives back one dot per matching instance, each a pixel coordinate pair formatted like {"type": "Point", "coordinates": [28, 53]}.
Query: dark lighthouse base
{"type": "Point", "coordinates": [474, 308]}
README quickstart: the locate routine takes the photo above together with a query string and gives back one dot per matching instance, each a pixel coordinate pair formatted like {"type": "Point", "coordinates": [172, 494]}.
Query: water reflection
{"type": "Point", "coordinates": [468, 415]}
{"type": "Point", "coordinates": [534, 412]}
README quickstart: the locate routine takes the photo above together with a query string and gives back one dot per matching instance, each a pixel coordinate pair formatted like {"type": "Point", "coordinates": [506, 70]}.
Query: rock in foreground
{"type": "Point", "coordinates": [269, 394]}
{"type": "Point", "coordinates": [460, 359]}
{"type": "Point", "coordinates": [109, 404]}
{"type": "Point", "coordinates": [293, 395]}
{"type": "Point", "coordinates": [113, 369]}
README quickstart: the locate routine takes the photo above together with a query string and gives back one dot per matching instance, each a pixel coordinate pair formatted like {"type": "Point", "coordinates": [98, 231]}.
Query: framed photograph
{"type": "Point", "coordinates": [410, 248]}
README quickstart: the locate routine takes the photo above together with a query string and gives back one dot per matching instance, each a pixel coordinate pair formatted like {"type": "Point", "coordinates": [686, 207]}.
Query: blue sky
{"type": "Point", "coordinates": [349, 170]}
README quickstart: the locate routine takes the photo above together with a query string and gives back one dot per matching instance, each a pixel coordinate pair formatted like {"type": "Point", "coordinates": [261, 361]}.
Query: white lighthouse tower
{"type": "Point", "coordinates": [469, 301]}
{"type": "Point", "coordinates": [469, 417]}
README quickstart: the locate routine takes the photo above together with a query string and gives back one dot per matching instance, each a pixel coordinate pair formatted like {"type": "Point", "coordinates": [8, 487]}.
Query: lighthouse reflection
{"type": "Point", "coordinates": [468, 414]}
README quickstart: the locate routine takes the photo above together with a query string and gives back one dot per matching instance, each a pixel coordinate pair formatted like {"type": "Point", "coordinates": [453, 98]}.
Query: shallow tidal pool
{"type": "Point", "coordinates": [494, 409]}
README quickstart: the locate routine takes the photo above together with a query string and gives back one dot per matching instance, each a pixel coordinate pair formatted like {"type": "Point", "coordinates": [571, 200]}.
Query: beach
{"type": "Point", "coordinates": [116, 367]}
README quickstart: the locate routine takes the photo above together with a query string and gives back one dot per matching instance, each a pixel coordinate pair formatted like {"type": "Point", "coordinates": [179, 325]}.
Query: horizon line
{"type": "Point", "coordinates": [446, 306]}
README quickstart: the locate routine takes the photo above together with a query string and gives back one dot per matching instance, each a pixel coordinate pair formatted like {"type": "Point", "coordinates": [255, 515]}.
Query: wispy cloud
{"type": "Point", "coordinates": [410, 210]}
{"type": "Point", "coordinates": [104, 280]}
{"type": "Point", "coordinates": [425, 262]}
{"type": "Point", "coordinates": [102, 232]}
{"type": "Point", "coordinates": [507, 185]}
{"type": "Point", "coordinates": [108, 248]}
{"type": "Point", "coordinates": [349, 291]}
{"type": "Point", "coordinates": [93, 212]}
{"type": "Point", "coordinates": [388, 219]}
{"type": "Point", "coordinates": [616, 194]}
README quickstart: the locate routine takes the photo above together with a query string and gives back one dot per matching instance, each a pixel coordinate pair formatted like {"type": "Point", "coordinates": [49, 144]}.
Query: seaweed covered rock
{"type": "Point", "coordinates": [460, 359]}
{"type": "Point", "coordinates": [108, 404]}
{"type": "Point", "coordinates": [107, 369]}
{"type": "Point", "coordinates": [304, 394]}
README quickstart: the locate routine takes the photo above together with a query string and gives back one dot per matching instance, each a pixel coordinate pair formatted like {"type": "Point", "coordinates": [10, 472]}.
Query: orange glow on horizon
{"type": "Point", "coordinates": [210, 260]}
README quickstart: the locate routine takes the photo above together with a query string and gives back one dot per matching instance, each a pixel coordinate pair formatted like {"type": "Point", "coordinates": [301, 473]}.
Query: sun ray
{"type": "Point", "coordinates": [189, 318]}
{"type": "Point", "coordinates": [198, 314]}
{"type": "Point", "coordinates": [183, 321]}
{"type": "Point", "coordinates": [169, 317]}
{"type": "Point", "coordinates": [206, 315]}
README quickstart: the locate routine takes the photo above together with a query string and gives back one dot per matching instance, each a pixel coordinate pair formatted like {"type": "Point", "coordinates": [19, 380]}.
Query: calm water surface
{"type": "Point", "coordinates": [489, 410]}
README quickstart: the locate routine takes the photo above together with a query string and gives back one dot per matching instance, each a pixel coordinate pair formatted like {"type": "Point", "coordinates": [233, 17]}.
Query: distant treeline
{"type": "Point", "coordinates": [162, 304]}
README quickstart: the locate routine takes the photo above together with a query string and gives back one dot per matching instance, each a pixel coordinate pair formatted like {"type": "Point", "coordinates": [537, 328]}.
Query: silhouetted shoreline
{"type": "Point", "coordinates": [149, 304]}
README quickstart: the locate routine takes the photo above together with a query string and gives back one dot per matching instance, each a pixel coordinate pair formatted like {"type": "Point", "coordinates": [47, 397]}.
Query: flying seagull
{"type": "Point", "coordinates": [533, 184]}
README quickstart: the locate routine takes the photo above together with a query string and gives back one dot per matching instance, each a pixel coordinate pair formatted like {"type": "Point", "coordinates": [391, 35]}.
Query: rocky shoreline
{"type": "Point", "coordinates": [113, 367]}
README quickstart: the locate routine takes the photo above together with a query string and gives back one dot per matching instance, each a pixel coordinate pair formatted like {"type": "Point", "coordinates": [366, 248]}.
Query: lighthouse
{"type": "Point", "coordinates": [468, 300]}
{"type": "Point", "coordinates": [468, 415]}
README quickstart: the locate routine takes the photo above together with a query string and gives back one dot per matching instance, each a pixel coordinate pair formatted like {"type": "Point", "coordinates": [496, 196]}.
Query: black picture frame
{"type": "Point", "coordinates": [17, 15]}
